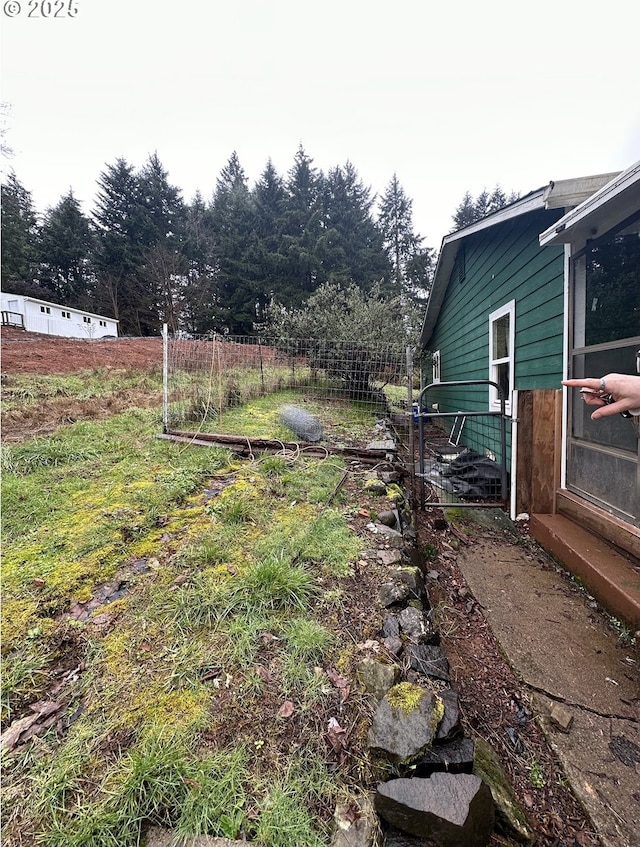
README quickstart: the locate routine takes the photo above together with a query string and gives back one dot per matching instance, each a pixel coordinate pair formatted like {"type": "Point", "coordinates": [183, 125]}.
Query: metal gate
{"type": "Point", "coordinates": [462, 454]}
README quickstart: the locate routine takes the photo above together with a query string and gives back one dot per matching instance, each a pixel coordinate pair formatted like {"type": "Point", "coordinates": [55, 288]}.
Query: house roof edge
{"type": "Point", "coordinates": [532, 201]}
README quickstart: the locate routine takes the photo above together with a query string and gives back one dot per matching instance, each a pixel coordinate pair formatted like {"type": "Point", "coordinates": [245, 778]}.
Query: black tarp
{"type": "Point", "coordinates": [474, 476]}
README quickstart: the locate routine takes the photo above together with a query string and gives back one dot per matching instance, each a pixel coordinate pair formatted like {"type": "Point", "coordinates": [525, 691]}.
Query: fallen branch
{"type": "Point", "coordinates": [245, 446]}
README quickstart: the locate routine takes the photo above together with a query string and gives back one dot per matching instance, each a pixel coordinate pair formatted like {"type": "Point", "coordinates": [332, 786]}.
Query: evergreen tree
{"type": "Point", "coordinates": [419, 271]}
{"type": "Point", "coordinates": [412, 265]}
{"type": "Point", "coordinates": [232, 218]}
{"type": "Point", "coordinates": [163, 217]}
{"type": "Point", "coordinates": [469, 211]}
{"type": "Point", "coordinates": [351, 247]}
{"type": "Point", "coordinates": [140, 220]}
{"type": "Point", "coordinates": [19, 234]}
{"type": "Point", "coordinates": [396, 222]}
{"type": "Point", "coordinates": [303, 221]}
{"type": "Point", "coordinates": [163, 211]}
{"type": "Point", "coordinates": [65, 250]}
{"type": "Point", "coordinates": [267, 248]}
{"type": "Point", "coordinates": [481, 206]}
{"type": "Point", "coordinates": [200, 297]}
{"type": "Point", "coordinates": [118, 217]}
{"type": "Point", "coordinates": [465, 214]}
{"type": "Point", "coordinates": [497, 200]}
{"type": "Point", "coordinates": [6, 151]}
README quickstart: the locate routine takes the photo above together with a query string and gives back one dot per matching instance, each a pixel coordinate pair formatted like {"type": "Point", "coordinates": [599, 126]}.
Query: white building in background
{"type": "Point", "coordinates": [36, 315]}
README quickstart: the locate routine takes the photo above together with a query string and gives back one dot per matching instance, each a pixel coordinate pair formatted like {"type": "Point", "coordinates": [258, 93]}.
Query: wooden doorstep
{"type": "Point", "coordinates": [613, 529]}
{"type": "Point", "coordinates": [611, 577]}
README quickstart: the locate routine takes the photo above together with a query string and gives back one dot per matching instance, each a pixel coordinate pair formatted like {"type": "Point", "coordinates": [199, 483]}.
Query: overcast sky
{"type": "Point", "coordinates": [451, 96]}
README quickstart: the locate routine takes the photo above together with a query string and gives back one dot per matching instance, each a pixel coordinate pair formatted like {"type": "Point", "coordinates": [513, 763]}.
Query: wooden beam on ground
{"type": "Point", "coordinates": [245, 446]}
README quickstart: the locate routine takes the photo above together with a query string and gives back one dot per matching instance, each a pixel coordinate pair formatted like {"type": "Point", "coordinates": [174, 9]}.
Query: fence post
{"type": "Point", "coordinates": [165, 378]}
{"type": "Point", "coordinates": [412, 461]}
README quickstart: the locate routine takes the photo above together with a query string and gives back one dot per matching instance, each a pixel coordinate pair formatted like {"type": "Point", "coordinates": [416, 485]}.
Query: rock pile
{"type": "Point", "coordinates": [443, 790]}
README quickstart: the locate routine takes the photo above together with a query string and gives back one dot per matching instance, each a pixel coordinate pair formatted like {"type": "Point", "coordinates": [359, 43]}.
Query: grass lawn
{"type": "Point", "coordinates": [169, 616]}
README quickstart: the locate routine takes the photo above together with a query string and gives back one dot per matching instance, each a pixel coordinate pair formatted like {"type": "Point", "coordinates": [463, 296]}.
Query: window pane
{"type": "Point", "coordinates": [614, 431]}
{"type": "Point", "coordinates": [502, 378]}
{"type": "Point", "coordinates": [612, 294]}
{"type": "Point", "coordinates": [501, 337]}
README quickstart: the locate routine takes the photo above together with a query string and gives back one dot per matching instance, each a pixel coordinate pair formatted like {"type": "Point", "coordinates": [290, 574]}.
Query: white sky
{"type": "Point", "coordinates": [452, 96]}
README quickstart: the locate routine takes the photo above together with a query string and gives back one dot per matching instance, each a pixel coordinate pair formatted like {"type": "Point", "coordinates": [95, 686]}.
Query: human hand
{"type": "Point", "coordinates": [624, 389]}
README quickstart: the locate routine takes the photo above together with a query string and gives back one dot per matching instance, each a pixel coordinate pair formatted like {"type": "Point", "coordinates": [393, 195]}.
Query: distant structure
{"type": "Point", "coordinates": [35, 315]}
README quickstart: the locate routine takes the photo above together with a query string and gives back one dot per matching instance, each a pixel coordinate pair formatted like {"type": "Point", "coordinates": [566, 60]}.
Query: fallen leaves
{"type": "Point", "coordinates": [20, 731]}
{"type": "Point", "coordinates": [339, 682]}
{"type": "Point", "coordinates": [286, 710]}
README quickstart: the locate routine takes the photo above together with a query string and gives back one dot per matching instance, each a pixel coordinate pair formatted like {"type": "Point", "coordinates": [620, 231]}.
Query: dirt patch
{"type": "Point", "coordinates": [31, 352]}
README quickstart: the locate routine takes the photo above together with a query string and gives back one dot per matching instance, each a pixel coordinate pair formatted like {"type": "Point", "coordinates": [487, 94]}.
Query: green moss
{"type": "Point", "coordinates": [406, 697]}
{"type": "Point", "coordinates": [438, 711]}
{"type": "Point", "coordinates": [510, 816]}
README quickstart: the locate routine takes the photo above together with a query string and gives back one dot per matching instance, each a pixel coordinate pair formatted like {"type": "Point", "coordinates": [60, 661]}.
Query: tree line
{"type": "Point", "coordinates": [145, 256]}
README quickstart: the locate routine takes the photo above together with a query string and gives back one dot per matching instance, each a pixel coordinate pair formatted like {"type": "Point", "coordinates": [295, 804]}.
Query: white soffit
{"type": "Point", "coordinates": [604, 209]}
{"type": "Point", "coordinates": [567, 193]}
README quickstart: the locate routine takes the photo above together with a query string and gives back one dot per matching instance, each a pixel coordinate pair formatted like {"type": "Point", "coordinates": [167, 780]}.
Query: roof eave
{"type": "Point", "coordinates": [611, 204]}
{"type": "Point", "coordinates": [449, 250]}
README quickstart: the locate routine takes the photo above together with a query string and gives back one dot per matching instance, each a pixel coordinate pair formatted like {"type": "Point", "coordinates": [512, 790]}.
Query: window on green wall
{"type": "Point", "coordinates": [435, 360]}
{"type": "Point", "coordinates": [501, 358]}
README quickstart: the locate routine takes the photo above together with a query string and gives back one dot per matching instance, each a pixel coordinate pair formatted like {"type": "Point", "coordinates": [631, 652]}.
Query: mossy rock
{"type": "Point", "coordinates": [510, 816]}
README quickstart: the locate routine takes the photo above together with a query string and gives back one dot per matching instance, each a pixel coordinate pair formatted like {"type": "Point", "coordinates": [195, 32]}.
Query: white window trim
{"type": "Point", "coordinates": [436, 363]}
{"type": "Point", "coordinates": [508, 309]}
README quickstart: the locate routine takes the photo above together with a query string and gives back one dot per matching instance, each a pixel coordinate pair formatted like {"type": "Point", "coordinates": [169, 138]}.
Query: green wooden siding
{"type": "Point", "coordinates": [503, 263]}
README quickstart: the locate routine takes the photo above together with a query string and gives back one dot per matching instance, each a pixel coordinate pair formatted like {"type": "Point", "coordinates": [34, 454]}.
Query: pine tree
{"type": "Point", "coordinates": [19, 233]}
{"type": "Point", "coordinates": [140, 220]}
{"type": "Point", "coordinates": [118, 218]}
{"type": "Point", "coordinates": [302, 230]}
{"type": "Point", "coordinates": [65, 249]}
{"type": "Point", "coordinates": [200, 298]}
{"type": "Point", "coordinates": [163, 274]}
{"type": "Point", "coordinates": [396, 222]}
{"type": "Point", "coordinates": [465, 214]}
{"type": "Point", "coordinates": [351, 248]}
{"type": "Point", "coordinates": [163, 210]}
{"type": "Point", "coordinates": [469, 211]}
{"type": "Point", "coordinates": [267, 247]}
{"type": "Point", "coordinates": [232, 218]}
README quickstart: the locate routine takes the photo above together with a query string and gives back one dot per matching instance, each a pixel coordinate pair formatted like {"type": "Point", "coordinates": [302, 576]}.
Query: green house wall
{"type": "Point", "coordinates": [500, 264]}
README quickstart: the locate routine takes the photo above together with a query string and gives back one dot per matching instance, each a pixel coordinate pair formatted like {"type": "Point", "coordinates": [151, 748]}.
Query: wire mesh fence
{"type": "Point", "coordinates": [462, 455]}
{"type": "Point", "coordinates": [206, 379]}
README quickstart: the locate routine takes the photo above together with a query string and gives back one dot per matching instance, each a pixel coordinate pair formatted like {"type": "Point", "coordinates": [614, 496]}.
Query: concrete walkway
{"type": "Point", "coordinates": [574, 666]}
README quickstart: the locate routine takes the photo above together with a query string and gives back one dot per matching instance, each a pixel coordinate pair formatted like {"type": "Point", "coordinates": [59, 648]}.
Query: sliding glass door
{"type": "Point", "coordinates": [603, 456]}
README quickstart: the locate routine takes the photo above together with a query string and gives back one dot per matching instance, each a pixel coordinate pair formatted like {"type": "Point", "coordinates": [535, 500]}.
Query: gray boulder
{"type": "Point", "coordinates": [392, 593]}
{"type": "Point", "coordinates": [405, 723]}
{"type": "Point", "coordinates": [450, 725]}
{"type": "Point", "coordinates": [428, 660]}
{"type": "Point", "coordinates": [377, 677]}
{"type": "Point", "coordinates": [447, 810]}
{"type": "Point", "coordinates": [412, 578]}
{"type": "Point", "coordinates": [416, 626]}
{"type": "Point", "coordinates": [453, 756]}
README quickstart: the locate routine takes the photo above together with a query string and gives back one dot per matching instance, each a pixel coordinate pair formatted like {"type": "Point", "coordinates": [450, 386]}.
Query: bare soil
{"type": "Point", "coordinates": [33, 353]}
{"type": "Point", "coordinates": [493, 702]}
